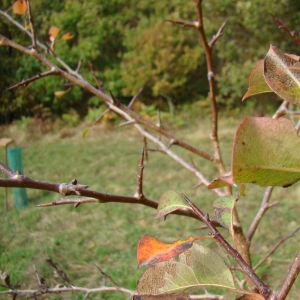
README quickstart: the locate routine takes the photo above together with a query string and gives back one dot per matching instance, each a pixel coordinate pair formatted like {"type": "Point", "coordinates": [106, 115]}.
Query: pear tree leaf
{"type": "Point", "coordinates": [223, 207]}
{"type": "Point", "coordinates": [59, 94]}
{"type": "Point", "coordinates": [282, 74]}
{"type": "Point", "coordinates": [169, 202]}
{"type": "Point", "coordinates": [20, 7]}
{"type": "Point", "coordinates": [67, 36]}
{"type": "Point", "coordinates": [152, 251]}
{"type": "Point", "coordinates": [162, 297]}
{"type": "Point", "coordinates": [221, 182]}
{"type": "Point", "coordinates": [53, 32]}
{"type": "Point", "coordinates": [86, 132]}
{"type": "Point", "coordinates": [266, 152]}
{"type": "Point", "coordinates": [198, 266]}
{"type": "Point", "coordinates": [257, 83]}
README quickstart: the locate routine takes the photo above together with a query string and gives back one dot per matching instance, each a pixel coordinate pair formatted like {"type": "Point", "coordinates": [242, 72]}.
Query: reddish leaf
{"type": "Point", "coordinates": [19, 7]}
{"type": "Point", "coordinates": [152, 251]}
{"type": "Point", "coordinates": [67, 36]}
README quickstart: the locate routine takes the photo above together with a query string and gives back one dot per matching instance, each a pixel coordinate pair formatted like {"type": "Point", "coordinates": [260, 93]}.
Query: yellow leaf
{"type": "Point", "coordinates": [67, 36]}
{"type": "Point", "coordinates": [53, 32]}
{"type": "Point", "coordinates": [19, 7]}
{"type": "Point", "coordinates": [59, 94]}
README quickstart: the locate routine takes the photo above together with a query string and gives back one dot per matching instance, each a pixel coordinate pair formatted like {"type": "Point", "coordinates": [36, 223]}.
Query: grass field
{"type": "Point", "coordinates": [107, 234]}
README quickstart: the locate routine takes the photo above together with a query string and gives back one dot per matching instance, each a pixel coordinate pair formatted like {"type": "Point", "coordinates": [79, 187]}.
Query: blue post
{"type": "Point", "coordinates": [15, 162]}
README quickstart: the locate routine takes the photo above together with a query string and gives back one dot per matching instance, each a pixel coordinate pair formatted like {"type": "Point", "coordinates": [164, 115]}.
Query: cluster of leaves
{"type": "Point", "coordinates": [265, 152]}
{"type": "Point", "coordinates": [129, 53]}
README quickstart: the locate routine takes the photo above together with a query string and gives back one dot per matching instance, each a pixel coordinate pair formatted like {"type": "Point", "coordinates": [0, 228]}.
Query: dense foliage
{"type": "Point", "coordinates": [130, 47]}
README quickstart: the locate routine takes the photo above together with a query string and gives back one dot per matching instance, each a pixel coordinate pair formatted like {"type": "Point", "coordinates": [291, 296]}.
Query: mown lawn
{"type": "Point", "coordinates": [107, 234]}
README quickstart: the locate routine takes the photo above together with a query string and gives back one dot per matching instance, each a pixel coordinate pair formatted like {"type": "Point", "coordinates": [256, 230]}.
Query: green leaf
{"type": "Point", "coordinates": [223, 207]}
{"type": "Point", "coordinates": [86, 132]}
{"type": "Point", "coordinates": [257, 84]}
{"type": "Point", "coordinates": [169, 202]}
{"type": "Point", "coordinates": [266, 152]}
{"type": "Point", "coordinates": [198, 266]}
{"type": "Point", "coordinates": [282, 75]}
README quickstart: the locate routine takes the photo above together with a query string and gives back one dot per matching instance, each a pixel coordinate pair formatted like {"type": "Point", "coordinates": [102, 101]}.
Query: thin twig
{"type": "Point", "coordinates": [232, 268]}
{"type": "Point", "coordinates": [34, 78]}
{"type": "Point", "coordinates": [135, 97]}
{"type": "Point", "coordinates": [290, 33]}
{"type": "Point", "coordinates": [217, 35]}
{"type": "Point", "coordinates": [281, 111]}
{"type": "Point", "coordinates": [59, 270]}
{"type": "Point", "coordinates": [79, 64]}
{"type": "Point", "coordinates": [131, 122]}
{"type": "Point", "coordinates": [281, 241]}
{"type": "Point", "coordinates": [74, 201]}
{"type": "Point", "coordinates": [184, 23]}
{"type": "Point", "coordinates": [95, 77]}
{"type": "Point", "coordinates": [33, 36]}
{"type": "Point", "coordinates": [67, 289]}
{"type": "Point", "coordinates": [262, 210]}
{"type": "Point", "coordinates": [108, 277]}
{"type": "Point", "coordinates": [139, 176]}
{"type": "Point", "coordinates": [290, 278]}
{"type": "Point", "coordinates": [159, 124]}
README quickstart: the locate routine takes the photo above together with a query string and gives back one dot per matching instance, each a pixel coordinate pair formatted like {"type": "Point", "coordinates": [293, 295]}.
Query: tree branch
{"type": "Point", "coordinates": [19, 180]}
{"type": "Point", "coordinates": [263, 208]}
{"type": "Point", "coordinates": [184, 23]}
{"type": "Point", "coordinates": [281, 241]}
{"type": "Point", "coordinates": [139, 190]}
{"type": "Point", "coordinates": [259, 284]}
{"type": "Point", "coordinates": [217, 35]}
{"type": "Point", "coordinates": [42, 46]}
{"type": "Point", "coordinates": [290, 278]}
{"type": "Point", "coordinates": [88, 291]}
{"type": "Point", "coordinates": [290, 33]}
{"type": "Point", "coordinates": [34, 78]}
{"type": "Point", "coordinates": [33, 36]}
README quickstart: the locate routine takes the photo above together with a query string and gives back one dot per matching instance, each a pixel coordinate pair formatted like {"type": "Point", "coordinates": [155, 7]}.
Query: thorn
{"type": "Point", "coordinates": [125, 123]}
{"type": "Point", "coordinates": [197, 185]}
{"type": "Point", "coordinates": [113, 98]}
{"type": "Point", "coordinates": [186, 198]}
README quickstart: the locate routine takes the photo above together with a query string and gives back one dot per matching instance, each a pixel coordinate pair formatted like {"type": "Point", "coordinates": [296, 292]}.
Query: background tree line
{"type": "Point", "coordinates": [129, 47]}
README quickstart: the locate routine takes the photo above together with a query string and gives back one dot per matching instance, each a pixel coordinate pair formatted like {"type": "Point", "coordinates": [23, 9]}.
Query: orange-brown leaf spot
{"type": "Point", "coordinates": [152, 251]}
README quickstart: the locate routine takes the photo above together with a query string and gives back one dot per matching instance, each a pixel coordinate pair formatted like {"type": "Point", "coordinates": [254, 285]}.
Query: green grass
{"type": "Point", "coordinates": [107, 234]}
